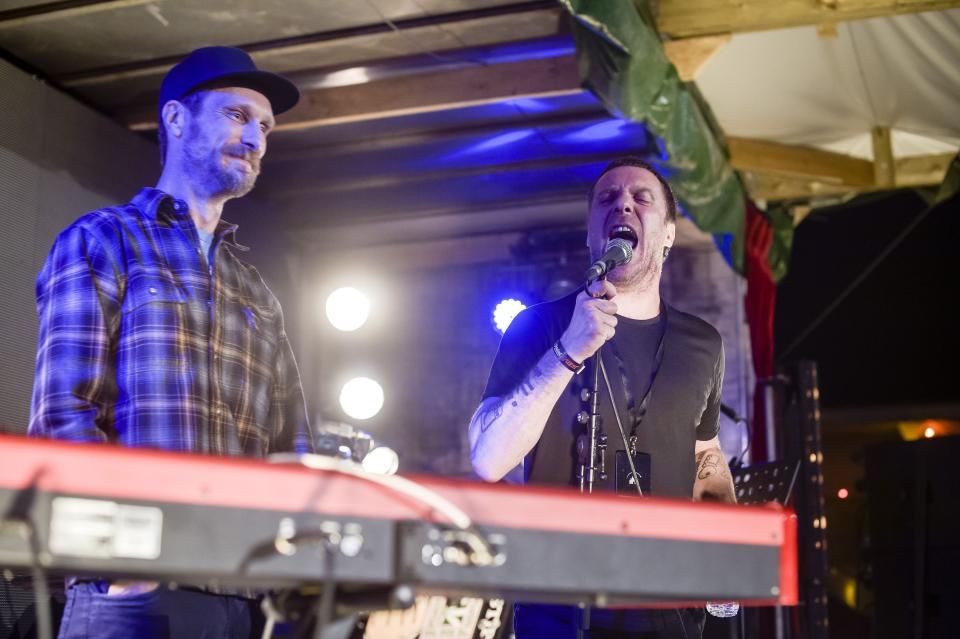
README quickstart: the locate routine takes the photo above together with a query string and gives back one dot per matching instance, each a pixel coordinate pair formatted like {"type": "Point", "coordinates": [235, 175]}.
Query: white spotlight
{"type": "Point", "coordinates": [504, 313]}
{"type": "Point", "coordinates": [361, 398]}
{"type": "Point", "coordinates": [347, 308]}
{"type": "Point", "coordinates": [381, 460]}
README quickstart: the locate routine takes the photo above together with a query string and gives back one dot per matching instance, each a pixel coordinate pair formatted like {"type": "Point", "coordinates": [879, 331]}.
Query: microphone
{"type": "Point", "coordinates": [729, 412]}
{"type": "Point", "coordinates": [618, 252]}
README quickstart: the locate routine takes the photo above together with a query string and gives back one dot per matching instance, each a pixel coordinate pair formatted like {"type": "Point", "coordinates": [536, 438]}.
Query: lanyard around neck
{"type": "Point", "coordinates": [638, 409]}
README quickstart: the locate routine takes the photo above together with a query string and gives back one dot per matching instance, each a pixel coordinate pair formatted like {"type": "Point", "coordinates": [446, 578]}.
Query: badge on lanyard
{"type": "Point", "coordinates": [625, 479]}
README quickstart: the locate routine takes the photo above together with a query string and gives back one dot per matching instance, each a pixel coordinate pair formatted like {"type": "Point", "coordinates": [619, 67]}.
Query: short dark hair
{"type": "Point", "coordinates": [193, 102]}
{"type": "Point", "coordinates": [632, 160]}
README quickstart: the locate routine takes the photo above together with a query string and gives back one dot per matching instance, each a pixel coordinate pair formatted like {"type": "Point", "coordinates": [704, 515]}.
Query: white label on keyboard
{"type": "Point", "coordinates": [99, 528]}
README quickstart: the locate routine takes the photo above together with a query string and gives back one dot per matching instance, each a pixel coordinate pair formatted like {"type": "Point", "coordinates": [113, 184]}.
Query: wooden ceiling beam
{"type": "Point", "coordinates": [64, 9]}
{"type": "Point", "coordinates": [921, 170]}
{"type": "Point", "coordinates": [918, 171]}
{"type": "Point", "coordinates": [441, 90]}
{"type": "Point", "coordinates": [690, 18]}
{"type": "Point", "coordinates": [264, 51]}
{"type": "Point", "coordinates": [884, 170]}
{"type": "Point", "coordinates": [690, 55]}
{"type": "Point", "coordinates": [769, 187]}
{"type": "Point", "coordinates": [748, 154]}
{"type": "Point", "coordinates": [435, 92]}
{"type": "Point", "coordinates": [417, 94]}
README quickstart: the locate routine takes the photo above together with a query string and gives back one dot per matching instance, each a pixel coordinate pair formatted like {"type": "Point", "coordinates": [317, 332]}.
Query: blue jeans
{"type": "Point", "coordinates": [158, 614]}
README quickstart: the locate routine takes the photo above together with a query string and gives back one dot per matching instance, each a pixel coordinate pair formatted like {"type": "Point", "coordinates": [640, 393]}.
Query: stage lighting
{"type": "Point", "coordinates": [337, 439]}
{"type": "Point", "coordinates": [347, 309]}
{"type": "Point", "coordinates": [504, 313]}
{"type": "Point", "coordinates": [361, 398]}
{"type": "Point", "coordinates": [345, 441]}
{"type": "Point", "coordinates": [382, 460]}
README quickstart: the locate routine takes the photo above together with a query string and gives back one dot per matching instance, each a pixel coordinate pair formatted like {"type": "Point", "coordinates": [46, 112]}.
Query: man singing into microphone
{"type": "Point", "coordinates": [666, 371]}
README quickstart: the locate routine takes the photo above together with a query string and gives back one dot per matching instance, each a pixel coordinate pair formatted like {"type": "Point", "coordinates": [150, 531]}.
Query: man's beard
{"type": "Point", "coordinates": [217, 178]}
{"type": "Point", "coordinates": [639, 274]}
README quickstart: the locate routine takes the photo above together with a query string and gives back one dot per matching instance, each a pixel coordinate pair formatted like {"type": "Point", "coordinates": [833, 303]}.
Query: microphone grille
{"type": "Point", "coordinates": [624, 246]}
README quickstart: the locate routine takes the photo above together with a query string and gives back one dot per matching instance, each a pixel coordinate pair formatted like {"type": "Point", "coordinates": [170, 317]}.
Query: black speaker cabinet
{"type": "Point", "coordinates": [913, 501]}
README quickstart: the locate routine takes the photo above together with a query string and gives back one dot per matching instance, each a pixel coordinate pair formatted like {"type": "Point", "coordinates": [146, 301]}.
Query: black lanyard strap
{"type": "Point", "coordinates": [638, 410]}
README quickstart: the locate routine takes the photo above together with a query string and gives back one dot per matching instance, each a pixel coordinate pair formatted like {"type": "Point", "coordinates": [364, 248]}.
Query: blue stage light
{"type": "Point", "coordinates": [606, 130]}
{"type": "Point", "coordinates": [497, 142]}
{"type": "Point", "coordinates": [505, 311]}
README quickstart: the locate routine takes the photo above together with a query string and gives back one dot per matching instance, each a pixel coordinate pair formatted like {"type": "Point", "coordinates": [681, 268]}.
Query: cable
{"type": "Point", "coordinates": [738, 460]}
{"type": "Point", "coordinates": [483, 552]}
{"type": "Point", "coordinates": [322, 610]}
{"type": "Point", "coordinates": [623, 433]}
{"type": "Point", "coordinates": [683, 626]}
{"type": "Point", "coordinates": [271, 614]}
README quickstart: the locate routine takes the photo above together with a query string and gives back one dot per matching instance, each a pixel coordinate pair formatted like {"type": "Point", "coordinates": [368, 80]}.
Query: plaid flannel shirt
{"type": "Point", "coordinates": [142, 344]}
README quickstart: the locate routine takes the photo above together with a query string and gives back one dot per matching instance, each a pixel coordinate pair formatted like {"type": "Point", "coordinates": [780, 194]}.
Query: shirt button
{"type": "Point", "coordinates": [152, 290]}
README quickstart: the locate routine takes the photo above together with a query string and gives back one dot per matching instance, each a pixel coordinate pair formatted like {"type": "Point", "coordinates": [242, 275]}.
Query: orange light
{"type": "Point", "coordinates": [843, 493]}
{"type": "Point", "coordinates": [929, 432]}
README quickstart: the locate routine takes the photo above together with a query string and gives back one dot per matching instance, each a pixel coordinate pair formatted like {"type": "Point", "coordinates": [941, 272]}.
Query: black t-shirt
{"type": "Point", "coordinates": [683, 406]}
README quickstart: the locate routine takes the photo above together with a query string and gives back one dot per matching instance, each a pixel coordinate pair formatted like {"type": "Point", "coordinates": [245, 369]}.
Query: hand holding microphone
{"type": "Point", "coordinates": [594, 318]}
{"type": "Point", "coordinates": [594, 321]}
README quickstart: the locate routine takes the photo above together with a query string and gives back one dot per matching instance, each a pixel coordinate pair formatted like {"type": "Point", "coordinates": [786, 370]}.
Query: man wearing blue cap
{"type": "Point", "coordinates": [153, 333]}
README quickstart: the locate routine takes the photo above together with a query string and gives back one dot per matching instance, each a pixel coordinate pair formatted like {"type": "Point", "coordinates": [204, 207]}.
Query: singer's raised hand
{"type": "Point", "coordinates": [594, 321]}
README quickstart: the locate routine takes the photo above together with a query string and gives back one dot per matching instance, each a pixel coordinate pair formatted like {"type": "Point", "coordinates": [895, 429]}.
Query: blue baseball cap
{"type": "Point", "coordinates": [211, 67]}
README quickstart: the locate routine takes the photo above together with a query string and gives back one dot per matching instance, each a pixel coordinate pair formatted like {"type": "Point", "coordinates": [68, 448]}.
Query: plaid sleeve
{"type": "Point", "coordinates": [78, 305]}
{"type": "Point", "coordinates": [288, 411]}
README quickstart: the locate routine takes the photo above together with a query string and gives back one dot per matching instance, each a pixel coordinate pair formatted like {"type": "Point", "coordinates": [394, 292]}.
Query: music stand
{"type": "Point", "coordinates": [763, 483]}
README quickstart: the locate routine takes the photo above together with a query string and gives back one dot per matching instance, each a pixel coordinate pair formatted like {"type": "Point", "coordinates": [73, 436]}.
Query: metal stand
{"type": "Point", "coordinates": [792, 409]}
{"type": "Point", "coordinates": [810, 504]}
{"type": "Point", "coordinates": [592, 460]}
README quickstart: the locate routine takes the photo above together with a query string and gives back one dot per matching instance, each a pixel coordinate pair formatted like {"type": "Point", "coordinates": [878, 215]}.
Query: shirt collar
{"type": "Point", "coordinates": [160, 206]}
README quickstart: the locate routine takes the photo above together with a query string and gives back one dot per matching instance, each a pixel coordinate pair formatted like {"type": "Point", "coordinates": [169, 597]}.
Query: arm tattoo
{"type": "Point", "coordinates": [710, 463]}
{"type": "Point", "coordinates": [487, 418]}
{"type": "Point", "coordinates": [525, 388]}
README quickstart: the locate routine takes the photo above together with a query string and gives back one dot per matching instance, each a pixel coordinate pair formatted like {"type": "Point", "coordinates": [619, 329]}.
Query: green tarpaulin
{"type": "Point", "coordinates": [623, 64]}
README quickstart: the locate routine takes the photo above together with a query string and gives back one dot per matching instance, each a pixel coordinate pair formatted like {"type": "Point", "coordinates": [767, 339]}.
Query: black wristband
{"type": "Point", "coordinates": [565, 359]}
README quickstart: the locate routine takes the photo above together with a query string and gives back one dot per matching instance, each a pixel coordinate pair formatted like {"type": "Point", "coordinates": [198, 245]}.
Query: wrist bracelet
{"type": "Point", "coordinates": [565, 359]}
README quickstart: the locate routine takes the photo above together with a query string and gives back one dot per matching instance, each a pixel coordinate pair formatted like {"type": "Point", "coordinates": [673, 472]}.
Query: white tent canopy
{"type": "Point", "coordinates": [830, 88]}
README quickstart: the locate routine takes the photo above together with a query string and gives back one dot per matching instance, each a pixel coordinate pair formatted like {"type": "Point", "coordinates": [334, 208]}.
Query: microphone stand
{"type": "Point", "coordinates": [618, 251]}
{"type": "Point", "coordinates": [592, 469]}
{"type": "Point", "coordinates": [593, 460]}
